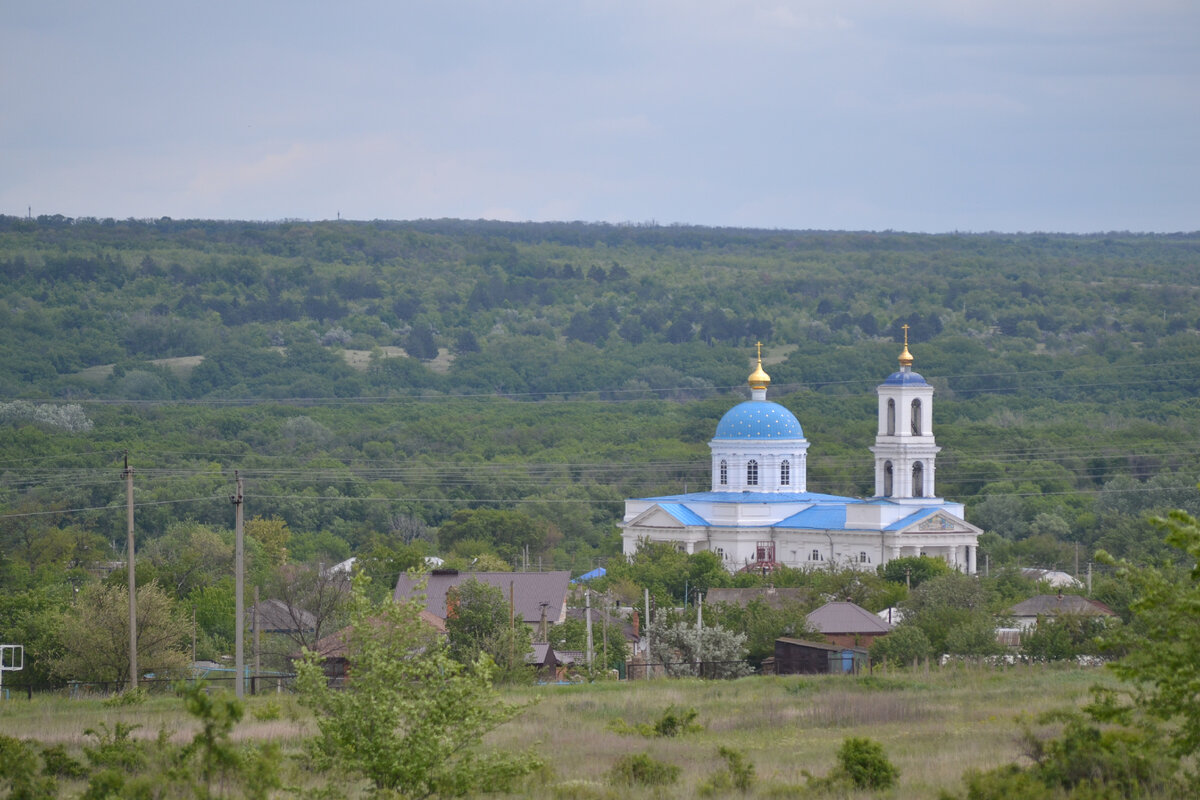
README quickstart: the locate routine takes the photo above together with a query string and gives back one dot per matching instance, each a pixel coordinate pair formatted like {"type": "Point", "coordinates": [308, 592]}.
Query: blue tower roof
{"type": "Point", "coordinates": [759, 419]}
{"type": "Point", "coordinates": [905, 377]}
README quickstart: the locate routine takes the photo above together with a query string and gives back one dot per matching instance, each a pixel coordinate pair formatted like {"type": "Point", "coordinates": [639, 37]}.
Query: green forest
{"type": "Point", "coordinates": [488, 390]}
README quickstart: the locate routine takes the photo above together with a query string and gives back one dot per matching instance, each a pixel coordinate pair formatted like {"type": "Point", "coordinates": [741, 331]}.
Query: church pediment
{"type": "Point", "coordinates": [659, 517]}
{"type": "Point", "coordinates": [938, 522]}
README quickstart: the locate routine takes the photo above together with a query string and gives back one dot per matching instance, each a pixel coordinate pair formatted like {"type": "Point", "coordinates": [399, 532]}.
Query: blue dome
{"type": "Point", "coordinates": [759, 419]}
{"type": "Point", "coordinates": [905, 378]}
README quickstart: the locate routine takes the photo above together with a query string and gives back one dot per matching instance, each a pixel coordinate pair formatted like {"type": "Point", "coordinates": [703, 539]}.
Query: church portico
{"type": "Point", "coordinates": [759, 513]}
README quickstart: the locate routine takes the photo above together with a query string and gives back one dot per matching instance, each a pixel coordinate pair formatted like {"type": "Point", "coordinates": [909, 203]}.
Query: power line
{"type": "Point", "coordinates": [552, 395]}
{"type": "Point", "coordinates": [106, 508]}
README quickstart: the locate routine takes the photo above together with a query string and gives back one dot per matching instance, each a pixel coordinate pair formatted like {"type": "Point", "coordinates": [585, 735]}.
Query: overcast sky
{"type": "Point", "coordinates": [930, 115]}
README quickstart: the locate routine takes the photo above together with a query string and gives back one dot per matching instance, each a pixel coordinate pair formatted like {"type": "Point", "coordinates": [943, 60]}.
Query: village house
{"type": "Point", "coordinates": [1048, 606]}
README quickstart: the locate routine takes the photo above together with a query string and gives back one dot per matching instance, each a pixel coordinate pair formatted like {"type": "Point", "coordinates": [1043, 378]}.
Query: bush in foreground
{"type": "Point", "coordinates": [640, 769]}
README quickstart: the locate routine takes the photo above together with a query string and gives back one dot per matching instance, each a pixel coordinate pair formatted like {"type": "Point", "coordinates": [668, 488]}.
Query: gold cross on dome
{"type": "Point", "coordinates": [759, 346]}
{"type": "Point", "coordinates": [905, 327]}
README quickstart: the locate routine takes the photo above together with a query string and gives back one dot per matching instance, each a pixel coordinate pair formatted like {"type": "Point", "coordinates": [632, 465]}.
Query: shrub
{"type": "Point", "coordinates": [129, 697]}
{"type": "Point", "coordinates": [672, 723]}
{"type": "Point", "coordinates": [267, 712]}
{"type": "Point", "coordinates": [738, 773]}
{"type": "Point", "coordinates": [17, 760]}
{"type": "Point", "coordinates": [907, 643]}
{"type": "Point", "coordinates": [640, 769]}
{"type": "Point", "coordinates": [865, 764]}
{"type": "Point", "coordinates": [58, 762]}
{"type": "Point", "coordinates": [581, 790]}
{"type": "Point", "coordinates": [413, 719]}
{"type": "Point", "coordinates": [114, 747]}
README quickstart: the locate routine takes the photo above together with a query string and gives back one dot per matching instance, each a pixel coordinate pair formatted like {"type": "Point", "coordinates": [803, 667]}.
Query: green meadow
{"type": "Point", "coordinates": [933, 726]}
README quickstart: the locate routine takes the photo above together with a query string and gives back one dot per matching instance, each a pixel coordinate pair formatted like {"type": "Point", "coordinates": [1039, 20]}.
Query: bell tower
{"type": "Point", "coordinates": [904, 446]}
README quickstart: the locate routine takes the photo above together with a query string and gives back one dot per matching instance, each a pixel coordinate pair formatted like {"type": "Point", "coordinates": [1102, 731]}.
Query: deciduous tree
{"type": "Point", "coordinates": [411, 719]}
{"type": "Point", "coordinates": [94, 634]}
{"type": "Point", "coordinates": [479, 622]}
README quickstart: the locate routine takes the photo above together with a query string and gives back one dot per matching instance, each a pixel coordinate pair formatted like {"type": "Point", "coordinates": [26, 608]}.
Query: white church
{"type": "Point", "coordinates": [760, 514]}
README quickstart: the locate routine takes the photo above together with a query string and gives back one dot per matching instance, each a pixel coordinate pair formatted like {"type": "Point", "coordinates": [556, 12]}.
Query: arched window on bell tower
{"type": "Point", "coordinates": [724, 472]}
{"type": "Point", "coordinates": [785, 473]}
{"type": "Point", "coordinates": [918, 483]}
{"type": "Point", "coordinates": [887, 479]}
{"type": "Point", "coordinates": [916, 417]}
{"type": "Point", "coordinates": [752, 473]}
{"type": "Point", "coordinates": [891, 417]}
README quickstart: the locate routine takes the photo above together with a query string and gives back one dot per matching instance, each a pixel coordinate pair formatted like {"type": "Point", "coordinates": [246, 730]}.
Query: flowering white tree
{"type": "Point", "coordinates": [684, 650]}
{"type": "Point", "coordinates": [68, 417]}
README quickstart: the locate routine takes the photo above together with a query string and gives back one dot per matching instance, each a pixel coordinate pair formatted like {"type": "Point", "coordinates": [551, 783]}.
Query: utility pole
{"type": "Point", "coordinates": [604, 623]}
{"type": "Point", "coordinates": [133, 668]}
{"type": "Point", "coordinates": [239, 603]}
{"type": "Point", "coordinates": [699, 634]}
{"type": "Point", "coordinates": [647, 629]}
{"type": "Point", "coordinates": [257, 649]}
{"type": "Point", "coordinates": [587, 602]}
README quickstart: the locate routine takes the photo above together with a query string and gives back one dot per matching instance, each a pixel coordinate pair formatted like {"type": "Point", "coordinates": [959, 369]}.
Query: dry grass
{"type": "Point", "coordinates": [932, 726]}
{"type": "Point", "coordinates": [180, 365]}
{"type": "Point", "coordinates": [361, 359]}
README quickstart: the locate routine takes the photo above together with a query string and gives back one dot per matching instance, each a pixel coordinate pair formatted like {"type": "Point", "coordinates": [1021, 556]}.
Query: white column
{"type": "Point", "coordinates": [971, 556]}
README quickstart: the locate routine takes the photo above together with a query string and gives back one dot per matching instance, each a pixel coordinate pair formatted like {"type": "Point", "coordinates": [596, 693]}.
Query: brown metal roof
{"type": "Point", "coordinates": [774, 598]}
{"type": "Point", "coordinates": [530, 590]}
{"type": "Point", "coordinates": [336, 644]}
{"type": "Point", "coordinates": [276, 616]}
{"type": "Point", "coordinates": [843, 617]}
{"type": "Point", "coordinates": [1050, 605]}
{"type": "Point", "coordinates": [831, 648]}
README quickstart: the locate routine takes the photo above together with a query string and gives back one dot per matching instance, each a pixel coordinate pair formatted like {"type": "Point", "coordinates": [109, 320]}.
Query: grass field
{"type": "Point", "coordinates": [933, 726]}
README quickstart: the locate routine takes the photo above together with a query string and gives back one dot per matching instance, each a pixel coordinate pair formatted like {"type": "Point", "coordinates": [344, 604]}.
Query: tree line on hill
{"type": "Point", "coordinates": [493, 391]}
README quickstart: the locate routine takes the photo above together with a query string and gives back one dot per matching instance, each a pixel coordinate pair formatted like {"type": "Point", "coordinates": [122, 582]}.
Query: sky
{"type": "Point", "coordinates": [929, 115]}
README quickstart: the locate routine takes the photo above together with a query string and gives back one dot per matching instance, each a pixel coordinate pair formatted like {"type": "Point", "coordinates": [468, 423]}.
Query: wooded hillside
{"type": "Point", "coordinates": [371, 379]}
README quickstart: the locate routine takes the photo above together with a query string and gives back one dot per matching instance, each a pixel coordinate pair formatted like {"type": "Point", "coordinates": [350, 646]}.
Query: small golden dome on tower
{"type": "Point", "coordinates": [759, 379]}
{"type": "Point", "coordinates": [906, 358]}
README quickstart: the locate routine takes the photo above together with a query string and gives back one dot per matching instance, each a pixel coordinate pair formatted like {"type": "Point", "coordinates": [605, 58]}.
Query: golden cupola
{"type": "Point", "coordinates": [906, 358]}
{"type": "Point", "coordinates": [759, 379]}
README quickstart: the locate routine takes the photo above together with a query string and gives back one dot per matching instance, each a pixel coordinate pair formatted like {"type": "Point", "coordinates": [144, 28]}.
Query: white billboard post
{"type": "Point", "coordinates": [12, 659]}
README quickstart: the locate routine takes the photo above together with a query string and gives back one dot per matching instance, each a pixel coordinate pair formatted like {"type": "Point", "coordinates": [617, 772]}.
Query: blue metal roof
{"type": "Point", "coordinates": [598, 572]}
{"type": "Point", "coordinates": [905, 378]}
{"type": "Point", "coordinates": [759, 419]}
{"type": "Point", "coordinates": [916, 516]}
{"type": "Point", "coordinates": [820, 517]}
{"type": "Point", "coordinates": [682, 513]}
{"type": "Point", "coordinates": [753, 497]}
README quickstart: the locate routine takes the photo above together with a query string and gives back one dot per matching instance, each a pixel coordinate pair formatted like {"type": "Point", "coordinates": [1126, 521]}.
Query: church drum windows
{"type": "Point", "coordinates": [752, 473]}
{"type": "Point", "coordinates": [785, 473]}
{"type": "Point", "coordinates": [724, 472]}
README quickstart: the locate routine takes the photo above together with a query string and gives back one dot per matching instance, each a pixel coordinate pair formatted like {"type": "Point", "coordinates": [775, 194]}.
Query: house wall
{"type": "Point", "coordinates": [859, 640]}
